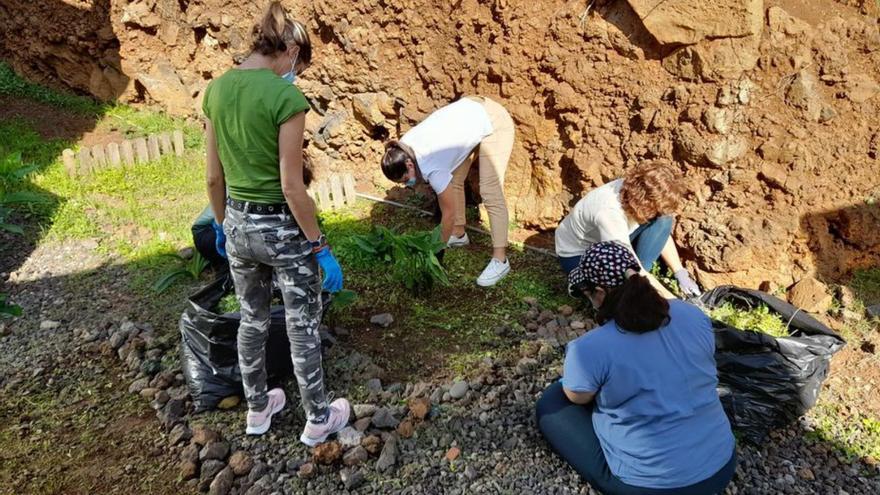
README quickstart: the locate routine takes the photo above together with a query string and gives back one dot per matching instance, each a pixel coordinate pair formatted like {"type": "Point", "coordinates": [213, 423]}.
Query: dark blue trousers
{"type": "Point", "coordinates": [647, 241]}
{"type": "Point", "coordinates": [568, 428]}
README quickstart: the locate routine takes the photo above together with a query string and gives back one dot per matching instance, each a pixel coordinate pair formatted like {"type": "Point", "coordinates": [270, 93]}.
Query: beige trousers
{"type": "Point", "coordinates": [493, 153]}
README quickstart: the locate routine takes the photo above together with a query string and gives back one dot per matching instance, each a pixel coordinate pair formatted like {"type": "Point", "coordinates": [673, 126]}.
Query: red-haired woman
{"type": "Point", "coordinates": [636, 211]}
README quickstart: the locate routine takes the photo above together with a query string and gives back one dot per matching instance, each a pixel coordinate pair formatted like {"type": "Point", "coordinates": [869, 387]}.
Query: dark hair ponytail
{"type": "Point", "coordinates": [635, 306]}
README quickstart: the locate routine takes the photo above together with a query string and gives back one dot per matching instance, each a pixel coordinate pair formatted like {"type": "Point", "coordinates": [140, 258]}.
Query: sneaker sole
{"type": "Point", "coordinates": [457, 244]}
{"type": "Point", "coordinates": [495, 281]}
{"type": "Point", "coordinates": [259, 430]}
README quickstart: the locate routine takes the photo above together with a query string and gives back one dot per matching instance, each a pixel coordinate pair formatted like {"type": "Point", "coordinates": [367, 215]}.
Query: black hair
{"type": "Point", "coordinates": [394, 162]}
{"type": "Point", "coordinates": [635, 306]}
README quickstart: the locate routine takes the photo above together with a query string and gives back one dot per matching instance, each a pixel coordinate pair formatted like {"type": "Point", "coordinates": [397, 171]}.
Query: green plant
{"type": "Point", "coordinates": [666, 278]}
{"type": "Point", "coordinates": [13, 85]}
{"type": "Point", "coordinates": [190, 269]}
{"type": "Point", "coordinates": [413, 256]}
{"type": "Point", "coordinates": [12, 173]}
{"type": "Point", "coordinates": [228, 304]}
{"type": "Point", "coordinates": [758, 319]}
{"type": "Point", "coordinates": [8, 309]}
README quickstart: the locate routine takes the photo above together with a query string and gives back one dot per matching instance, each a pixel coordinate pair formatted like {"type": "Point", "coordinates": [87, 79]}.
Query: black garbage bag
{"type": "Point", "coordinates": [209, 354]}
{"type": "Point", "coordinates": [766, 382]}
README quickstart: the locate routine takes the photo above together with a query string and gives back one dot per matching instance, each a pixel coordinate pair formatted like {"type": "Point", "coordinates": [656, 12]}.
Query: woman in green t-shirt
{"type": "Point", "coordinates": [255, 121]}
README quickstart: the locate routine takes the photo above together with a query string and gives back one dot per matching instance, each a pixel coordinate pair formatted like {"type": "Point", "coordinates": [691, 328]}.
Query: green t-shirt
{"type": "Point", "coordinates": [246, 108]}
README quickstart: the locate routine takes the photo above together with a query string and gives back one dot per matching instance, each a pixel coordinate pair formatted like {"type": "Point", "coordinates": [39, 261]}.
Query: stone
{"type": "Point", "coordinates": [139, 14]}
{"type": "Point", "coordinates": [566, 310]}
{"type": "Point", "coordinates": [365, 107]}
{"type": "Point", "coordinates": [458, 389]}
{"type": "Point", "coordinates": [351, 478]}
{"type": "Point", "coordinates": [471, 473]}
{"type": "Point", "coordinates": [188, 470]}
{"type": "Point", "coordinates": [388, 457]}
{"type": "Point", "coordinates": [180, 433]}
{"type": "Point", "coordinates": [810, 295]}
{"type": "Point", "coordinates": [172, 413]}
{"type": "Point", "coordinates": [258, 471]}
{"type": "Point", "coordinates": [165, 87]}
{"type": "Point", "coordinates": [306, 471]}
{"type": "Point", "coordinates": [806, 474]}
{"type": "Point", "coordinates": [827, 114]}
{"type": "Point", "coordinates": [49, 325]}
{"type": "Point", "coordinates": [383, 320]}
{"type": "Point", "coordinates": [241, 463]}
{"type": "Point", "coordinates": [203, 435]}
{"type": "Point", "coordinates": [355, 456]}
{"type": "Point", "coordinates": [374, 385]}
{"type": "Point", "coordinates": [419, 408]}
{"type": "Point", "coordinates": [802, 93]}
{"type": "Point", "coordinates": [385, 419]}
{"type": "Point", "coordinates": [526, 365]}
{"type": "Point", "coordinates": [873, 311]}
{"type": "Point", "coordinates": [718, 120]}
{"type": "Point", "coordinates": [372, 444]}
{"type": "Point", "coordinates": [782, 22]}
{"type": "Point", "coordinates": [209, 471]}
{"type": "Point", "coordinates": [714, 59]}
{"type": "Point", "coordinates": [190, 453]}
{"type": "Point", "coordinates": [405, 429]}
{"type": "Point", "coordinates": [327, 452]}
{"type": "Point", "coordinates": [364, 410]}
{"type": "Point", "coordinates": [683, 22]}
{"type": "Point", "coordinates": [117, 339]}
{"type": "Point", "coordinates": [362, 424]}
{"type": "Point", "coordinates": [217, 449]}
{"type": "Point", "coordinates": [859, 88]}
{"type": "Point", "coordinates": [349, 437]}
{"type": "Point", "coordinates": [727, 150]}
{"type": "Point", "coordinates": [222, 482]}
{"type": "Point", "coordinates": [452, 454]}
{"type": "Point", "coordinates": [229, 402]}
{"type": "Point", "coordinates": [138, 385]}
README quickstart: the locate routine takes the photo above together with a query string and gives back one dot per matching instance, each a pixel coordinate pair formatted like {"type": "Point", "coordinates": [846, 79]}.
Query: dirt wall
{"type": "Point", "coordinates": [771, 112]}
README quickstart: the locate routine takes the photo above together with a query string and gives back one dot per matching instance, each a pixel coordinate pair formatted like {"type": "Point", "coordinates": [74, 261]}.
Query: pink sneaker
{"type": "Point", "coordinates": [259, 422]}
{"type": "Point", "coordinates": [315, 433]}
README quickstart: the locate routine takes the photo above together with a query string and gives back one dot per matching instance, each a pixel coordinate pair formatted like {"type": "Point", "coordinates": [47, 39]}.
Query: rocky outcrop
{"type": "Point", "coordinates": [771, 117]}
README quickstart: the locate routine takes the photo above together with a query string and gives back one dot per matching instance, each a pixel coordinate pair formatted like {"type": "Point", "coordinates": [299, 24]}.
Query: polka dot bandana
{"type": "Point", "coordinates": [604, 264]}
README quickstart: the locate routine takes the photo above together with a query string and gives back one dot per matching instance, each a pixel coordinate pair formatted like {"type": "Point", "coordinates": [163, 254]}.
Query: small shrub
{"type": "Point", "coordinates": [759, 319]}
{"type": "Point", "coordinates": [186, 269]}
{"type": "Point", "coordinates": [229, 302]}
{"type": "Point", "coordinates": [413, 256]}
{"type": "Point", "coordinates": [8, 309]}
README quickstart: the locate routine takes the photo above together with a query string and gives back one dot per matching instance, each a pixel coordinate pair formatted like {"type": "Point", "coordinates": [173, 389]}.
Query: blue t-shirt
{"type": "Point", "coordinates": [657, 416]}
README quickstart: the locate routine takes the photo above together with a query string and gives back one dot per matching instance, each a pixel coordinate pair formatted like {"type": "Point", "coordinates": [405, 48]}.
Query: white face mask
{"type": "Point", "coordinates": [290, 76]}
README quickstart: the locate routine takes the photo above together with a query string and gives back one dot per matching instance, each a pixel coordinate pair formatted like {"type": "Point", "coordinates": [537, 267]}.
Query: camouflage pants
{"type": "Point", "coordinates": [257, 246]}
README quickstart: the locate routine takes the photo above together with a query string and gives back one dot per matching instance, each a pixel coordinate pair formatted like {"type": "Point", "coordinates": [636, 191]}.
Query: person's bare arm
{"type": "Point", "coordinates": [581, 398]}
{"type": "Point", "coordinates": [613, 227]}
{"type": "Point", "coordinates": [670, 255]}
{"type": "Point", "coordinates": [215, 179]}
{"type": "Point", "coordinates": [446, 199]}
{"type": "Point", "coordinates": [290, 151]}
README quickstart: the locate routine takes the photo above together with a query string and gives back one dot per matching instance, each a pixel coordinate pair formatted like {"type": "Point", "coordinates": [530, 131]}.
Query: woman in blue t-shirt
{"type": "Point", "coordinates": [637, 411]}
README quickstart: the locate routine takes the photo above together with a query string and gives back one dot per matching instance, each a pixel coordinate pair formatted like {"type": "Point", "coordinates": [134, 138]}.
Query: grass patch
{"type": "Point", "coordinates": [11, 84]}
{"type": "Point", "coordinates": [866, 284]}
{"type": "Point", "coordinates": [855, 435]}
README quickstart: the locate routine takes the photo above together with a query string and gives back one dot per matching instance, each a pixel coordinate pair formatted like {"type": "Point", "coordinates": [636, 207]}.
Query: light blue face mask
{"type": "Point", "coordinates": [290, 76]}
{"type": "Point", "coordinates": [411, 182]}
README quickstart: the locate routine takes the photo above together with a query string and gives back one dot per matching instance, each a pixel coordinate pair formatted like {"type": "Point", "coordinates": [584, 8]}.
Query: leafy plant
{"type": "Point", "coordinates": [12, 173]}
{"type": "Point", "coordinates": [8, 309]}
{"type": "Point", "coordinates": [758, 319]}
{"type": "Point", "coordinates": [229, 302]}
{"type": "Point", "coordinates": [186, 269]}
{"type": "Point", "coordinates": [413, 256]}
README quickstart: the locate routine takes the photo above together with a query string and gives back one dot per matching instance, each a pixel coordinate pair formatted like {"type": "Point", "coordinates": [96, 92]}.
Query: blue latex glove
{"type": "Point", "coordinates": [332, 270]}
{"type": "Point", "coordinates": [219, 239]}
{"type": "Point", "coordinates": [687, 285]}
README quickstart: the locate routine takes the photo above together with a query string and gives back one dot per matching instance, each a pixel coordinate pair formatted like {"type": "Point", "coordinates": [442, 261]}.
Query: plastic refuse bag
{"type": "Point", "coordinates": [209, 354]}
{"type": "Point", "coordinates": [766, 382]}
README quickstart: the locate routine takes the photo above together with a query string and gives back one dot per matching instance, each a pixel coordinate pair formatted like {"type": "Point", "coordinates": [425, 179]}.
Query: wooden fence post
{"type": "Point", "coordinates": [99, 158]}
{"type": "Point", "coordinates": [323, 196]}
{"type": "Point", "coordinates": [178, 142]}
{"type": "Point", "coordinates": [127, 152]}
{"type": "Point", "coordinates": [336, 191]}
{"type": "Point", "coordinates": [140, 145]}
{"type": "Point", "coordinates": [69, 159]}
{"type": "Point", "coordinates": [85, 161]}
{"type": "Point", "coordinates": [165, 141]}
{"type": "Point", "coordinates": [113, 155]}
{"type": "Point", "coordinates": [153, 146]}
{"type": "Point", "coordinates": [349, 188]}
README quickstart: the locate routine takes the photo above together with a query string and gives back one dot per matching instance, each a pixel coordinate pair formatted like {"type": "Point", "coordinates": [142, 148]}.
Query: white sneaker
{"type": "Point", "coordinates": [258, 422]}
{"type": "Point", "coordinates": [494, 271]}
{"type": "Point", "coordinates": [338, 415]}
{"type": "Point", "coordinates": [458, 241]}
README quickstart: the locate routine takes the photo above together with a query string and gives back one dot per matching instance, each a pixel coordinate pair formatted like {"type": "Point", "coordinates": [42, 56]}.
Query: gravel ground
{"type": "Point", "coordinates": [477, 436]}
